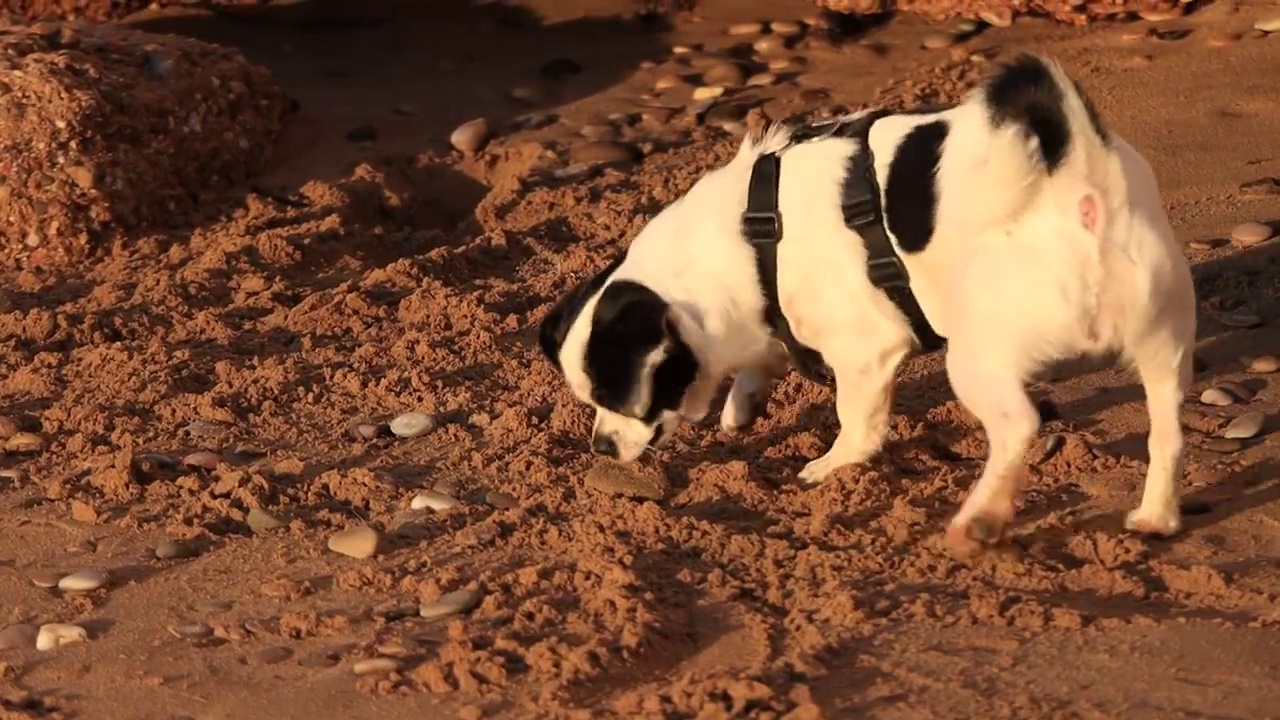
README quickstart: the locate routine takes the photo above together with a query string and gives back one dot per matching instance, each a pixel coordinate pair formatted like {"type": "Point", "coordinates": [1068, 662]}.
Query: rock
{"type": "Point", "coordinates": [749, 28]}
{"type": "Point", "coordinates": [272, 655]}
{"type": "Point", "coordinates": [666, 82]}
{"type": "Point", "coordinates": [602, 153]}
{"type": "Point", "coordinates": [21, 635]}
{"type": "Point", "coordinates": [412, 425]}
{"type": "Point", "coordinates": [1264, 364]}
{"type": "Point", "coordinates": [762, 79]}
{"type": "Point", "coordinates": [938, 41]}
{"type": "Point", "coordinates": [213, 606]}
{"type": "Point", "coordinates": [613, 478]}
{"type": "Point", "coordinates": [769, 44]}
{"type": "Point", "coordinates": [1248, 234]}
{"type": "Point", "coordinates": [787, 64]}
{"type": "Point", "coordinates": [8, 427]}
{"type": "Point", "coordinates": [1221, 39]}
{"type": "Point", "coordinates": [997, 17]}
{"type": "Point", "coordinates": [1268, 23]}
{"type": "Point", "coordinates": [204, 428]}
{"type": "Point", "coordinates": [470, 136]}
{"type": "Point", "coordinates": [395, 649]}
{"type": "Point", "coordinates": [80, 175]}
{"type": "Point", "coordinates": [1223, 445]}
{"type": "Point", "coordinates": [24, 443]}
{"type": "Point", "coordinates": [1217, 397]}
{"type": "Point", "coordinates": [1160, 15]}
{"type": "Point", "coordinates": [357, 542]}
{"type": "Point", "coordinates": [599, 132]}
{"type": "Point", "coordinates": [362, 133]}
{"type": "Point", "coordinates": [725, 115]}
{"type": "Point", "coordinates": [367, 430]}
{"type": "Point", "coordinates": [435, 500]}
{"type": "Point", "coordinates": [1203, 245]}
{"type": "Point", "coordinates": [83, 581]}
{"type": "Point", "coordinates": [202, 459]}
{"type": "Point", "coordinates": [785, 28]}
{"type": "Point", "coordinates": [168, 549]}
{"type": "Point", "coordinates": [1048, 447]}
{"type": "Point", "coordinates": [682, 49]}
{"type": "Point", "coordinates": [1261, 187]}
{"type": "Point", "coordinates": [374, 666]}
{"type": "Point", "coordinates": [318, 660]}
{"type": "Point", "coordinates": [1238, 391]}
{"type": "Point", "coordinates": [55, 635]}
{"type": "Point", "coordinates": [1241, 319]}
{"type": "Point", "coordinates": [501, 500]}
{"type": "Point", "coordinates": [46, 579]}
{"type": "Point", "coordinates": [451, 603]}
{"type": "Point", "coordinates": [260, 521]}
{"type": "Point", "coordinates": [560, 68]}
{"type": "Point", "coordinates": [1245, 426]}
{"type": "Point", "coordinates": [707, 93]}
{"type": "Point", "coordinates": [192, 631]}
{"type": "Point", "coordinates": [725, 74]}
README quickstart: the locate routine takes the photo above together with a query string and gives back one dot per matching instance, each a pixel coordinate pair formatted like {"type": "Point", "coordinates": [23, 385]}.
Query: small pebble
{"type": "Point", "coordinates": [666, 82]}
{"type": "Point", "coordinates": [168, 549]}
{"type": "Point", "coordinates": [1241, 319]}
{"type": "Point", "coordinates": [501, 500]}
{"type": "Point", "coordinates": [1238, 391]}
{"type": "Point", "coordinates": [681, 50]}
{"type": "Point", "coordinates": [451, 603]}
{"type": "Point", "coordinates": [260, 520]}
{"type": "Point", "coordinates": [599, 132]}
{"type": "Point", "coordinates": [707, 93]}
{"type": "Point", "coordinates": [412, 425]}
{"type": "Point", "coordinates": [997, 17]}
{"type": "Point", "coordinates": [435, 500]}
{"type": "Point", "coordinates": [785, 28]}
{"type": "Point", "coordinates": [357, 542]}
{"type": "Point", "coordinates": [47, 580]}
{"type": "Point", "coordinates": [786, 64]}
{"type": "Point", "coordinates": [1248, 234]}
{"type": "Point", "coordinates": [18, 636]}
{"type": "Point", "coordinates": [202, 459]}
{"type": "Point", "coordinates": [938, 41]}
{"type": "Point", "coordinates": [83, 581]}
{"type": "Point", "coordinates": [1221, 39]}
{"type": "Point", "coordinates": [470, 136]}
{"type": "Point", "coordinates": [1245, 426]}
{"type": "Point", "coordinates": [1268, 24]}
{"type": "Point", "coordinates": [749, 28]}
{"type": "Point", "coordinates": [762, 79]}
{"type": "Point", "coordinates": [614, 478]}
{"type": "Point", "coordinates": [1203, 245]}
{"type": "Point", "coordinates": [1261, 187]}
{"type": "Point", "coordinates": [1160, 15]}
{"type": "Point", "coordinates": [204, 428]}
{"type": "Point", "coordinates": [769, 44]}
{"type": "Point", "coordinates": [213, 606]}
{"type": "Point", "coordinates": [272, 655]}
{"type": "Point", "coordinates": [1217, 397]}
{"type": "Point", "coordinates": [1223, 445]}
{"type": "Point", "coordinates": [24, 443]}
{"type": "Point", "coordinates": [318, 660]}
{"type": "Point", "coordinates": [1049, 447]}
{"type": "Point", "coordinates": [55, 635]}
{"type": "Point", "coordinates": [375, 665]}
{"type": "Point", "coordinates": [725, 74]}
{"type": "Point", "coordinates": [366, 430]}
{"type": "Point", "coordinates": [395, 649]}
{"type": "Point", "coordinates": [192, 631]}
{"type": "Point", "coordinates": [1264, 364]}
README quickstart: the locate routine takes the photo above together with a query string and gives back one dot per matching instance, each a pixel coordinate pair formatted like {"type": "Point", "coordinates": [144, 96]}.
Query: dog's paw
{"type": "Point", "coordinates": [1163, 522]}
{"type": "Point", "coordinates": [967, 539]}
{"type": "Point", "coordinates": [816, 472]}
{"type": "Point", "coordinates": [740, 412]}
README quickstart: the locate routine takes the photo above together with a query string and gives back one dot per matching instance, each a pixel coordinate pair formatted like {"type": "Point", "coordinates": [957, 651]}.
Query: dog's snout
{"type": "Point", "coordinates": [604, 445]}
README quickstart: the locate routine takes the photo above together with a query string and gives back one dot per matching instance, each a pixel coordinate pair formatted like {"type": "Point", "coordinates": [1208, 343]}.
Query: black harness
{"type": "Point", "coordinates": [762, 226]}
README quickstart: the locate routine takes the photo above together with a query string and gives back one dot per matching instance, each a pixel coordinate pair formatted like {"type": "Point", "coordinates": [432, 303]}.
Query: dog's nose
{"type": "Point", "coordinates": [604, 445]}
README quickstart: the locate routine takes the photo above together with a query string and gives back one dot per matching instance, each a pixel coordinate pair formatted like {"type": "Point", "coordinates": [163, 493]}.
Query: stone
{"type": "Point", "coordinates": [785, 28]}
{"type": "Point", "coordinates": [997, 17]}
{"type": "Point", "coordinates": [1048, 447]}
{"type": "Point", "coordinates": [318, 660]}
{"type": "Point", "coordinates": [501, 500]}
{"type": "Point", "coordinates": [1268, 23]}
{"type": "Point", "coordinates": [762, 79]}
{"type": "Point", "coordinates": [412, 425]}
{"type": "Point", "coordinates": [1160, 15]}
{"type": "Point", "coordinates": [358, 542]}
{"type": "Point", "coordinates": [1221, 39]}
{"type": "Point", "coordinates": [203, 459]}
{"type": "Point", "coordinates": [614, 478]}
{"type": "Point", "coordinates": [192, 631]}
{"type": "Point", "coordinates": [1217, 397]}
{"type": "Point", "coordinates": [1245, 426]}
{"type": "Point", "coordinates": [46, 579]}
{"type": "Point", "coordinates": [374, 666]}
{"type": "Point", "coordinates": [8, 427]}
{"type": "Point", "coordinates": [724, 74]}
{"type": "Point", "coordinates": [55, 635]}
{"type": "Point", "coordinates": [435, 500]}
{"type": "Point", "coordinates": [1238, 391]}
{"type": "Point", "coordinates": [1263, 364]}
{"type": "Point", "coordinates": [769, 44]}
{"type": "Point", "coordinates": [1248, 234]}
{"type": "Point", "coordinates": [168, 549]}
{"type": "Point", "coordinates": [599, 132]}
{"type": "Point", "coordinates": [21, 635]}
{"type": "Point", "coordinates": [470, 136]}
{"type": "Point", "coordinates": [450, 603]}
{"type": "Point", "coordinates": [666, 82]}
{"type": "Point", "coordinates": [1241, 319]}
{"type": "Point", "coordinates": [938, 41]}
{"type": "Point", "coordinates": [260, 520]}
{"type": "Point", "coordinates": [367, 431]}
{"type": "Point", "coordinates": [272, 655]}
{"type": "Point", "coordinates": [602, 153]}
{"type": "Point", "coordinates": [707, 93]}
{"type": "Point", "coordinates": [1223, 445]}
{"type": "Point", "coordinates": [747, 28]}
{"type": "Point", "coordinates": [83, 581]}
{"type": "Point", "coordinates": [24, 443]}
{"type": "Point", "coordinates": [1261, 187]}
{"type": "Point", "coordinates": [786, 64]}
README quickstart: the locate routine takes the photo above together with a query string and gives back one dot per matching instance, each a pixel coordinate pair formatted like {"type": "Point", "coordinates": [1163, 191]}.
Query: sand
{"type": "Point", "coordinates": [195, 385]}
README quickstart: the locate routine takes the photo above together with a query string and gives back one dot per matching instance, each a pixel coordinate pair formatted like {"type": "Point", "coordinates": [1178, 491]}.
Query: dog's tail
{"type": "Point", "coordinates": [1040, 129]}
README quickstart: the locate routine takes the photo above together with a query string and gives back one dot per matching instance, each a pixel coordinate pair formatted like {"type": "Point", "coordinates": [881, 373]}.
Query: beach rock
{"type": "Point", "coordinates": [1245, 426]}
{"type": "Point", "coordinates": [55, 635]}
{"type": "Point", "coordinates": [375, 666]}
{"type": "Point", "coordinates": [435, 500]}
{"type": "Point", "coordinates": [470, 136]}
{"type": "Point", "coordinates": [1248, 234]}
{"type": "Point", "coordinates": [412, 425]}
{"type": "Point", "coordinates": [83, 581]}
{"type": "Point", "coordinates": [613, 478]}
{"type": "Point", "coordinates": [1217, 397]}
{"type": "Point", "coordinates": [357, 542]}
{"type": "Point", "coordinates": [451, 603]}
{"type": "Point", "coordinates": [1264, 364]}
{"type": "Point", "coordinates": [18, 636]}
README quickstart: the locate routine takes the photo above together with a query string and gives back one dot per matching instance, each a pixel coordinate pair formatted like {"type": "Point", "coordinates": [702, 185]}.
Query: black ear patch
{"type": "Point", "coordinates": [555, 326]}
{"type": "Point", "coordinates": [630, 322]}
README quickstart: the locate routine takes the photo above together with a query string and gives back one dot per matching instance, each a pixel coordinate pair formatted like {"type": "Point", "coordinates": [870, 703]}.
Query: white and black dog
{"type": "Point", "coordinates": [1029, 233]}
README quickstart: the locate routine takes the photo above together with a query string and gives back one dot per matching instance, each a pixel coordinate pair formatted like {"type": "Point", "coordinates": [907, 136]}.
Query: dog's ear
{"type": "Point", "coordinates": [632, 315]}
{"type": "Point", "coordinates": [555, 326]}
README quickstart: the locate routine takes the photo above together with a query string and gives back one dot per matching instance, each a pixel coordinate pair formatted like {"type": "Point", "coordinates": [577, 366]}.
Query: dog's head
{"type": "Point", "coordinates": [625, 351]}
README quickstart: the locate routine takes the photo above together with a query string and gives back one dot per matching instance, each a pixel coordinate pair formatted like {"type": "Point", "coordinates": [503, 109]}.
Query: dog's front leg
{"type": "Point", "coordinates": [751, 388]}
{"type": "Point", "coordinates": [697, 401]}
{"type": "Point", "coordinates": [864, 397]}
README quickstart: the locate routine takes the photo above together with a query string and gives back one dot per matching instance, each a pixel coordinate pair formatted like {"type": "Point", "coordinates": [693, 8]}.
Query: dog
{"type": "Point", "coordinates": [1024, 231]}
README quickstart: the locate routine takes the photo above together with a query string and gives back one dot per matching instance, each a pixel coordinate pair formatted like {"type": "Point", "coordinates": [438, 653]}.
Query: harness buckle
{"type": "Point", "coordinates": [887, 272]}
{"type": "Point", "coordinates": [762, 227]}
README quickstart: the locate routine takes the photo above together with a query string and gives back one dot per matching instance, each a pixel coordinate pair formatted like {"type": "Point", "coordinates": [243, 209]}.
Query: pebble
{"type": "Point", "coordinates": [997, 17]}
{"type": "Point", "coordinates": [749, 28]}
{"type": "Point", "coordinates": [707, 93]}
{"type": "Point", "coordinates": [366, 430]}
{"type": "Point", "coordinates": [614, 478]}
{"type": "Point", "coordinates": [1245, 426]}
{"type": "Point", "coordinates": [357, 542]}
{"type": "Point", "coordinates": [666, 82]}
{"type": "Point", "coordinates": [602, 153]}
{"type": "Point", "coordinates": [8, 427]}
{"type": "Point", "coordinates": [46, 580]}
{"type": "Point", "coordinates": [762, 79]}
{"type": "Point", "coordinates": [192, 631]}
{"type": "Point", "coordinates": [470, 136]}
{"type": "Point", "coordinates": [1241, 319]}
{"type": "Point", "coordinates": [786, 64]}
{"type": "Point", "coordinates": [599, 132]}
{"type": "Point", "coordinates": [451, 603]}
{"type": "Point", "coordinates": [1223, 445]}
{"type": "Point", "coordinates": [1221, 39]}
{"type": "Point", "coordinates": [501, 500]}
{"type": "Point", "coordinates": [213, 606]}
{"type": "Point", "coordinates": [272, 655]}
{"type": "Point", "coordinates": [55, 635]}
{"type": "Point", "coordinates": [435, 500]}
{"type": "Point", "coordinates": [21, 635]}
{"type": "Point", "coordinates": [1268, 24]}
{"type": "Point", "coordinates": [1248, 234]}
{"type": "Point", "coordinates": [1260, 187]}
{"type": "Point", "coordinates": [260, 520]}
{"type": "Point", "coordinates": [83, 581]}
{"type": "Point", "coordinates": [1264, 364]}
{"type": "Point", "coordinates": [168, 549]}
{"type": "Point", "coordinates": [769, 44]}
{"type": "Point", "coordinates": [938, 41]}
{"type": "Point", "coordinates": [202, 459]}
{"type": "Point", "coordinates": [1160, 15]}
{"type": "Point", "coordinates": [204, 428]}
{"type": "Point", "coordinates": [1240, 392]}
{"type": "Point", "coordinates": [785, 28]}
{"type": "Point", "coordinates": [726, 74]}
{"type": "Point", "coordinates": [1049, 447]}
{"type": "Point", "coordinates": [395, 649]}
{"type": "Point", "coordinates": [412, 425]}
{"type": "Point", "coordinates": [1203, 245]}
{"type": "Point", "coordinates": [1217, 397]}
{"type": "Point", "coordinates": [375, 665]}
{"type": "Point", "coordinates": [318, 660]}
{"type": "Point", "coordinates": [24, 443]}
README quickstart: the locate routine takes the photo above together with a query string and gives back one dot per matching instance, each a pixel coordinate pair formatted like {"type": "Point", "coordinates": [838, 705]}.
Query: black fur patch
{"type": "Point", "coordinates": [630, 322]}
{"type": "Point", "coordinates": [911, 190]}
{"type": "Point", "coordinates": [555, 326]}
{"type": "Point", "coordinates": [1024, 92]}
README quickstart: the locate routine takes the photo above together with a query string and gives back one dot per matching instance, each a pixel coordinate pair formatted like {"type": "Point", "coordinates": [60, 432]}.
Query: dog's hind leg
{"type": "Point", "coordinates": [1165, 365]}
{"type": "Point", "coordinates": [994, 392]}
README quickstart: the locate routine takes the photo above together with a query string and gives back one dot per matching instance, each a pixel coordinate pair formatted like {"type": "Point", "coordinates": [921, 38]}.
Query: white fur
{"type": "Point", "coordinates": [1025, 268]}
